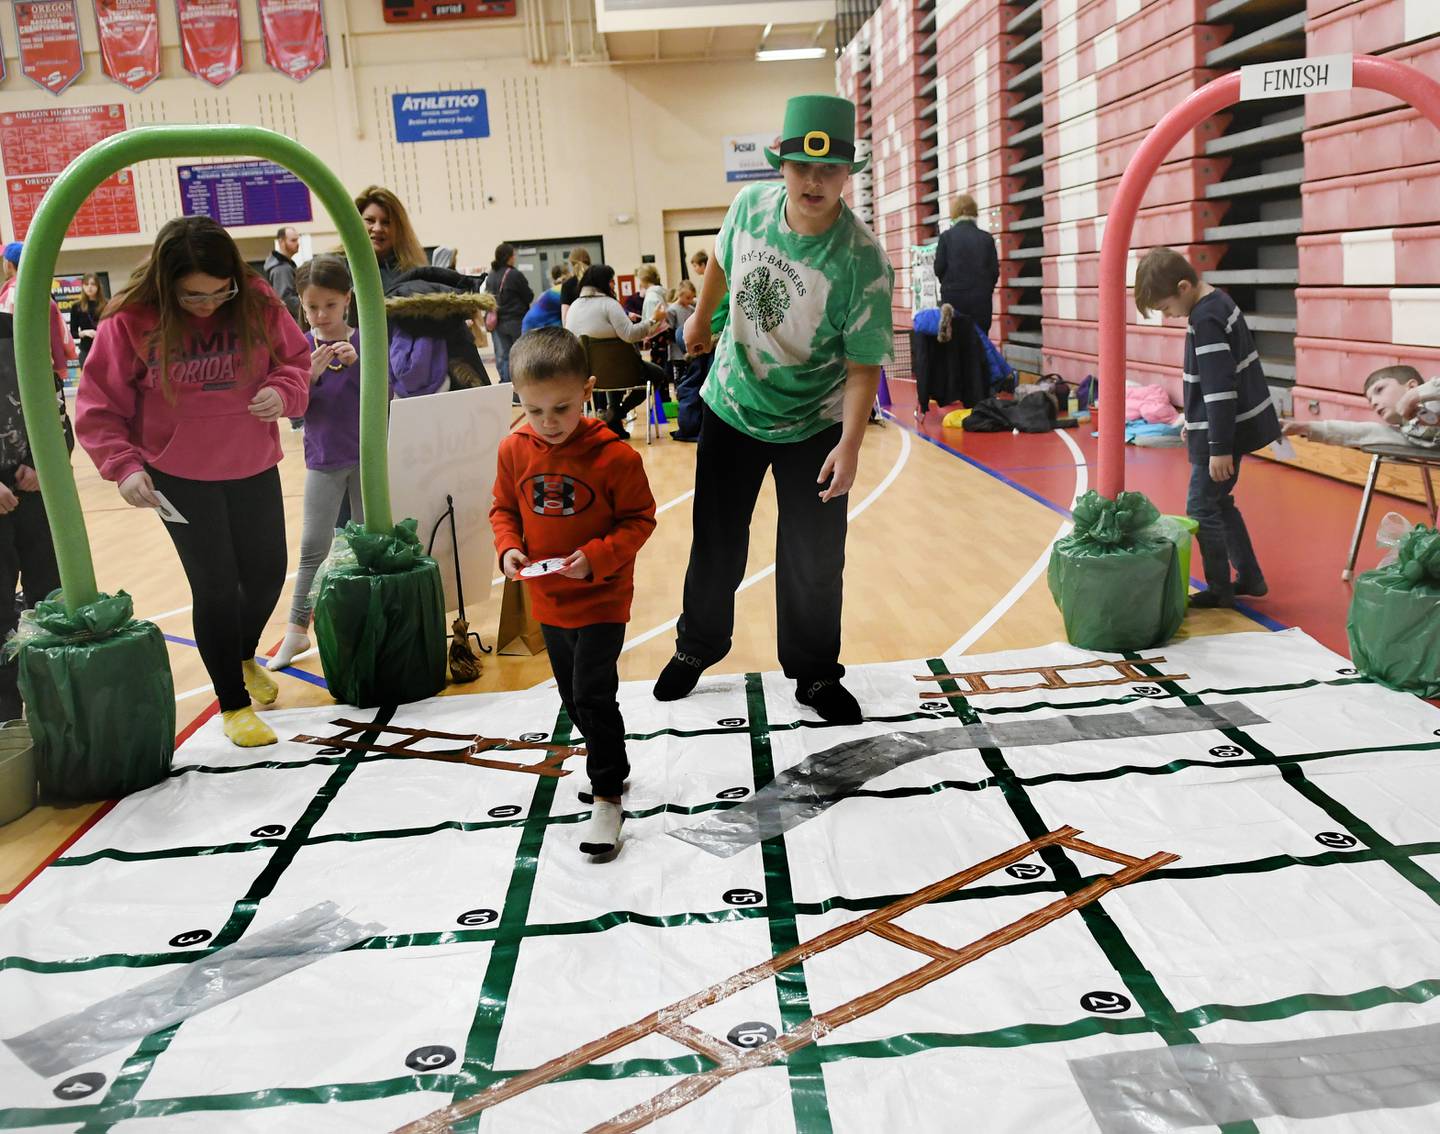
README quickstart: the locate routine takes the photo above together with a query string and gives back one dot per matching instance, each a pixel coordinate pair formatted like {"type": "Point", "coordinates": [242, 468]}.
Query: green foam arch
{"type": "Point", "coordinates": [32, 298]}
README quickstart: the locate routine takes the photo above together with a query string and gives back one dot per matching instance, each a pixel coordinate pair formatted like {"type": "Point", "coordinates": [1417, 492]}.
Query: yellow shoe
{"type": "Point", "coordinates": [245, 729]}
{"type": "Point", "coordinates": [259, 684]}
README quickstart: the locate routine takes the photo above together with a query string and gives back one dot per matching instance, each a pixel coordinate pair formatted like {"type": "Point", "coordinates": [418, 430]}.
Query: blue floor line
{"type": "Point", "coordinates": [1248, 611]}
{"type": "Point", "coordinates": [288, 671]}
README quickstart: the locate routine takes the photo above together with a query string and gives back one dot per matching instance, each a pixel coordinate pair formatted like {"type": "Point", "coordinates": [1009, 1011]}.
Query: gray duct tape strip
{"type": "Point", "coordinates": [1210, 1084]}
{"type": "Point", "coordinates": [79, 1038]}
{"type": "Point", "coordinates": [823, 779]}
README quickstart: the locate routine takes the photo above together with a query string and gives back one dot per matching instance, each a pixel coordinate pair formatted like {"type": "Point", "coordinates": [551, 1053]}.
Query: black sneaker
{"type": "Point", "coordinates": [679, 677]}
{"type": "Point", "coordinates": [830, 699]}
{"type": "Point", "coordinates": [1252, 590]}
{"type": "Point", "coordinates": [1211, 600]}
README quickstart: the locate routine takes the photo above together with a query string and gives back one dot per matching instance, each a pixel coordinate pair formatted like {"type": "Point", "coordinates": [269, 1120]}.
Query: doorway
{"type": "Point", "coordinates": [692, 241]}
{"type": "Point", "coordinates": [535, 258]}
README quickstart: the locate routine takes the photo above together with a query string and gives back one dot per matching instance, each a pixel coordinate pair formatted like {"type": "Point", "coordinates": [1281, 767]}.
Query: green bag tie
{"type": "Point", "coordinates": [385, 553]}
{"type": "Point", "coordinates": [1102, 522]}
{"type": "Point", "coordinates": [52, 624]}
{"type": "Point", "coordinates": [1418, 560]}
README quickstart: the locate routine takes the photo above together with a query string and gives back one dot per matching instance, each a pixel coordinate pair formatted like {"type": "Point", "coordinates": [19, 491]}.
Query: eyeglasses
{"type": "Point", "coordinates": [207, 299]}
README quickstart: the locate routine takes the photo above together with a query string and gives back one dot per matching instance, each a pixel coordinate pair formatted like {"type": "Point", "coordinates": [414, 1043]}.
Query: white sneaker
{"type": "Point", "coordinates": [602, 832]}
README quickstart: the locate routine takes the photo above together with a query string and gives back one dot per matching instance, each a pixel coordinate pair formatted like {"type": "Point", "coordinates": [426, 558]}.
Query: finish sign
{"type": "Point", "coordinates": [1290, 77]}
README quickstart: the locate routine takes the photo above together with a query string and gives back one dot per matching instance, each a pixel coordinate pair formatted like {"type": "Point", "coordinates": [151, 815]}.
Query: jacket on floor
{"type": "Point", "coordinates": [590, 494]}
{"type": "Point", "coordinates": [124, 420]}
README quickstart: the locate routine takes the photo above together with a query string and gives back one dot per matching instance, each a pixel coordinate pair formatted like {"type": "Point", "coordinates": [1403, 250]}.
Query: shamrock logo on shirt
{"type": "Point", "coordinates": [764, 299]}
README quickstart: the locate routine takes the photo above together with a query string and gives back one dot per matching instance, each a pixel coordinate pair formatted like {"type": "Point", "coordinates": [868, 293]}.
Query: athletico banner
{"type": "Point", "coordinates": [210, 38]}
{"type": "Point", "coordinates": [294, 34]}
{"type": "Point", "coordinates": [129, 41]}
{"type": "Point", "coordinates": [49, 35]}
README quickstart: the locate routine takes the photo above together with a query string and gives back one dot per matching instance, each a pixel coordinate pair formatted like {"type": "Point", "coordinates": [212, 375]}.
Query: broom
{"type": "Point", "coordinates": [464, 665]}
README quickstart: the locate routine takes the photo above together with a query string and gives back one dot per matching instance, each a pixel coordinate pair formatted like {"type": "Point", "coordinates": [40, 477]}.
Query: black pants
{"type": "Point", "coordinates": [233, 552]}
{"type": "Point", "coordinates": [27, 556]}
{"type": "Point", "coordinates": [809, 552]}
{"type": "Point", "coordinates": [1224, 539]}
{"type": "Point", "coordinates": [621, 404]}
{"type": "Point", "coordinates": [584, 663]}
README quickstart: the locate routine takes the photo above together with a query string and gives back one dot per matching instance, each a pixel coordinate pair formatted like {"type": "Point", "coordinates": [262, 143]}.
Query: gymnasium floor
{"type": "Point", "coordinates": [948, 541]}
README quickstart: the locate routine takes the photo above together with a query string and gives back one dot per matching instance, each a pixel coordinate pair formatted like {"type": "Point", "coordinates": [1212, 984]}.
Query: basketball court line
{"type": "Point", "coordinates": [765, 572]}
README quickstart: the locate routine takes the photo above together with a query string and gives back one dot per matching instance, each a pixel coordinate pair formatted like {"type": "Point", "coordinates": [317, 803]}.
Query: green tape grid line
{"type": "Point", "coordinates": [137, 1068]}
{"type": "Point", "coordinates": [808, 1100]}
{"type": "Point", "coordinates": [477, 1067]}
{"type": "Point", "coordinates": [891, 1047]}
{"type": "Point", "coordinates": [1268, 864]}
{"type": "Point", "coordinates": [1151, 999]}
{"type": "Point", "coordinates": [901, 718]}
{"type": "Point", "coordinates": [1349, 822]}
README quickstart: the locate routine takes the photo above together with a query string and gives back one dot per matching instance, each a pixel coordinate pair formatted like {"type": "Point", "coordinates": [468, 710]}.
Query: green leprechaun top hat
{"type": "Point", "coordinates": [818, 128]}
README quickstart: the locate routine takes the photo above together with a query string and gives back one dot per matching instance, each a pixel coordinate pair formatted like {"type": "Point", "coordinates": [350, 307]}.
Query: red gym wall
{"type": "Point", "coordinates": [1322, 218]}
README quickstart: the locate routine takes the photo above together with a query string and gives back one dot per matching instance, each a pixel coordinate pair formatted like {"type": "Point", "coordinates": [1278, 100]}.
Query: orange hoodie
{"type": "Point", "coordinates": [588, 493]}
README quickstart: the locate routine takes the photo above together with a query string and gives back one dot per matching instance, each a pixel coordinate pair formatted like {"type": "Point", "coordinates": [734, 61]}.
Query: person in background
{"type": "Point", "coordinates": [545, 311]}
{"type": "Point", "coordinates": [280, 268]}
{"type": "Point", "coordinates": [570, 289]}
{"type": "Point", "coordinates": [397, 248]}
{"type": "Point", "coordinates": [1405, 403]}
{"type": "Point", "coordinates": [85, 314]}
{"type": "Point", "coordinates": [513, 296]}
{"type": "Point", "coordinates": [680, 308]}
{"type": "Point", "coordinates": [698, 263]}
{"type": "Point", "coordinates": [62, 346]}
{"type": "Point", "coordinates": [332, 433]}
{"type": "Point", "coordinates": [966, 264]}
{"type": "Point", "coordinates": [195, 360]}
{"type": "Point", "coordinates": [652, 295]}
{"type": "Point", "coordinates": [597, 314]}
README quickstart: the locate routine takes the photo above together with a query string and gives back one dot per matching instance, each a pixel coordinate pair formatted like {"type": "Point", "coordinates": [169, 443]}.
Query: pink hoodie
{"type": "Point", "coordinates": [124, 422]}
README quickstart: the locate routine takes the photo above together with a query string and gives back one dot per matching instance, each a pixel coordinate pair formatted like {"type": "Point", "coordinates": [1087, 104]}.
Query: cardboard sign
{"type": "Point", "coordinates": [129, 33]}
{"type": "Point", "coordinates": [446, 444]}
{"type": "Point", "coordinates": [1291, 77]}
{"type": "Point", "coordinates": [49, 48]}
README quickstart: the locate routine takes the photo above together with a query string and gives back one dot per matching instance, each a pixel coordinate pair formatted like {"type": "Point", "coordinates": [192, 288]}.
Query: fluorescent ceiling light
{"type": "Point", "coordinates": [779, 54]}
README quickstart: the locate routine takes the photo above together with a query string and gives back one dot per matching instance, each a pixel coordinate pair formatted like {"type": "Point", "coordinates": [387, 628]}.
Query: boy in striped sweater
{"type": "Point", "coordinates": [1228, 413]}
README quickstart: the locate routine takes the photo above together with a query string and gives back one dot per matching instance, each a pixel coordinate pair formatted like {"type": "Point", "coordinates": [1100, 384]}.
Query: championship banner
{"type": "Point", "coordinates": [49, 49]}
{"type": "Point", "coordinates": [129, 41]}
{"type": "Point", "coordinates": [294, 35]}
{"type": "Point", "coordinates": [210, 38]}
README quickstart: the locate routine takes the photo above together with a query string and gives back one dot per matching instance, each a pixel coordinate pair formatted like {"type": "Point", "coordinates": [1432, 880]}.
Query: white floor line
{"type": "Point", "coordinates": [1012, 596]}
{"type": "Point", "coordinates": [684, 496]}
{"type": "Point", "coordinates": [193, 692]}
{"type": "Point", "coordinates": [186, 609]}
{"type": "Point", "coordinates": [766, 572]}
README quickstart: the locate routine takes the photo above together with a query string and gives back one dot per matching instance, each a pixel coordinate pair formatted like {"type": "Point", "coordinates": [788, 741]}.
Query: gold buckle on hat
{"type": "Point", "coordinates": [816, 144]}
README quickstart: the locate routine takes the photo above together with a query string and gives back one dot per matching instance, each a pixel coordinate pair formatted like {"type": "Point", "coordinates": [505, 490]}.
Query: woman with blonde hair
{"type": "Point", "coordinates": [397, 248]}
{"type": "Point", "coordinates": [967, 266]}
{"type": "Point", "coordinates": [570, 289]}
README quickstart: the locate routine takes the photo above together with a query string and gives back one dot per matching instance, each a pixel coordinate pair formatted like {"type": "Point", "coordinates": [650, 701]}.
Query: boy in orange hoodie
{"type": "Point", "coordinates": [567, 487]}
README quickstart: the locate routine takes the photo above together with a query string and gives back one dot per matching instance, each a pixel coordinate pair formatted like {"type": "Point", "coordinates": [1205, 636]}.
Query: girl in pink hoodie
{"type": "Point", "coordinates": [192, 365]}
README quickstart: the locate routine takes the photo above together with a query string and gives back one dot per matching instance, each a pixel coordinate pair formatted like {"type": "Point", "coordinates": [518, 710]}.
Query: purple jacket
{"type": "Point", "coordinates": [332, 420]}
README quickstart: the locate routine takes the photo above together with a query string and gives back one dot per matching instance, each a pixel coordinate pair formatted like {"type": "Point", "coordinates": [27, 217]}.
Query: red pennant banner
{"type": "Point", "coordinates": [210, 38]}
{"type": "Point", "coordinates": [129, 41]}
{"type": "Point", "coordinates": [49, 34]}
{"type": "Point", "coordinates": [294, 34]}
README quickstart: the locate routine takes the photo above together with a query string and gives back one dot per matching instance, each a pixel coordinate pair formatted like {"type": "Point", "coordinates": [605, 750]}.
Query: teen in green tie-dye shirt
{"type": "Point", "coordinates": [808, 289]}
{"type": "Point", "coordinates": [800, 308]}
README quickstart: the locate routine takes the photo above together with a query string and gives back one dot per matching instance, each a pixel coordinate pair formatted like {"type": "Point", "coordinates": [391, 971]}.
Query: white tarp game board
{"type": "Point", "coordinates": [1305, 906]}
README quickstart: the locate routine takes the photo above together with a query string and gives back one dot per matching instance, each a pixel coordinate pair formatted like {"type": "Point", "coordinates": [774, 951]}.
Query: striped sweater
{"type": "Point", "coordinates": [1227, 402]}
